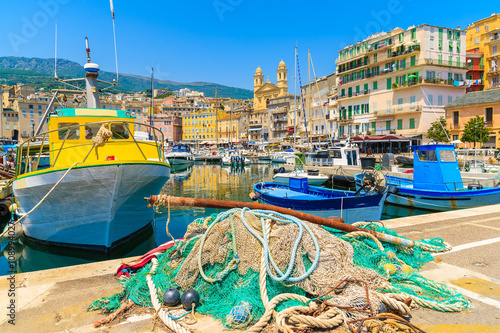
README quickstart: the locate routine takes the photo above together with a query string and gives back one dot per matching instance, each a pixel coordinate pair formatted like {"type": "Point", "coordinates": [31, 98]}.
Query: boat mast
{"type": "Point", "coordinates": [92, 72]}
{"type": "Point", "coordinates": [151, 104]}
{"type": "Point", "coordinates": [295, 102]}
{"type": "Point", "coordinates": [310, 97]}
{"type": "Point", "coordinates": [216, 120]}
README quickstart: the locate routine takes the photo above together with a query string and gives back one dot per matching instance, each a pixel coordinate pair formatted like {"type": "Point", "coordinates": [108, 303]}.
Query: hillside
{"type": "Point", "coordinates": [39, 72]}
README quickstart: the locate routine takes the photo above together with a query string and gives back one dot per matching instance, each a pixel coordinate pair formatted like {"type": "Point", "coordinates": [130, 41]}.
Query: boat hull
{"type": "Point", "coordinates": [179, 160]}
{"type": "Point", "coordinates": [97, 207]}
{"type": "Point", "coordinates": [325, 204]}
{"type": "Point", "coordinates": [445, 200]}
{"type": "Point", "coordinates": [436, 200]}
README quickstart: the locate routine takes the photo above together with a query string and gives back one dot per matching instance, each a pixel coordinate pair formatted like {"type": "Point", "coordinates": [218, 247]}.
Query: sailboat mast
{"type": "Point", "coordinates": [295, 102]}
{"type": "Point", "coordinates": [216, 119]}
{"type": "Point", "coordinates": [152, 101]}
{"type": "Point", "coordinates": [310, 97]}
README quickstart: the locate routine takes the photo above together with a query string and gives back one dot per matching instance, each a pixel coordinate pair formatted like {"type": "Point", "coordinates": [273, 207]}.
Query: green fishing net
{"type": "Point", "coordinates": [394, 269]}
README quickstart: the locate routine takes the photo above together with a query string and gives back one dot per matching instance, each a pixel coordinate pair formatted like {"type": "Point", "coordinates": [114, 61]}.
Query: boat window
{"type": "Point", "coordinates": [427, 155]}
{"type": "Point", "coordinates": [74, 132]}
{"type": "Point", "coordinates": [91, 130]}
{"type": "Point", "coordinates": [119, 131]}
{"type": "Point", "coordinates": [335, 153]}
{"type": "Point", "coordinates": [447, 156]}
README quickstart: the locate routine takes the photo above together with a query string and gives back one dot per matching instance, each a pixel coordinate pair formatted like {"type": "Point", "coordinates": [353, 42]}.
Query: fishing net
{"type": "Point", "coordinates": [351, 277]}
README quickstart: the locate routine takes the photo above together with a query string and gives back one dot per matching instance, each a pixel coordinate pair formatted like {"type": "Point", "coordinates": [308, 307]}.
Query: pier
{"type": "Point", "coordinates": [55, 300]}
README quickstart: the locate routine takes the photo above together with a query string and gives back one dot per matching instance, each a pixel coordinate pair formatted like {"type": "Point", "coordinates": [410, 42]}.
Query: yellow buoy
{"type": "Point", "coordinates": [407, 269]}
{"type": "Point", "coordinates": [390, 268]}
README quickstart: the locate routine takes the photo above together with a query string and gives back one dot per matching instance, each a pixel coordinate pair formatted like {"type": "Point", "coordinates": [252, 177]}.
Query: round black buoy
{"type": "Point", "coordinates": [171, 297]}
{"type": "Point", "coordinates": [188, 298]}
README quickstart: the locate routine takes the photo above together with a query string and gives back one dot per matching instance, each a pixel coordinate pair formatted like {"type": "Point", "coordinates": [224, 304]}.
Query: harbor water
{"type": "Point", "coordinates": [205, 181]}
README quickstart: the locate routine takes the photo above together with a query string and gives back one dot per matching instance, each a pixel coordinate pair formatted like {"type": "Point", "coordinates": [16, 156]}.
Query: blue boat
{"type": "Point", "coordinates": [437, 183]}
{"type": "Point", "coordinates": [298, 195]}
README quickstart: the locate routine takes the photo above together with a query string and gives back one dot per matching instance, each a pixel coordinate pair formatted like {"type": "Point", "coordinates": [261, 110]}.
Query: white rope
{"type": "Point", "coordinates": [172, 324]}
{"type": "Point", "coordinates": [38, 204]}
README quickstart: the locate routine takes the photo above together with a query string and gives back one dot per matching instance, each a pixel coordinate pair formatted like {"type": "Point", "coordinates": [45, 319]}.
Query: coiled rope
{"type": "Point", "coordinates": [164, 316]}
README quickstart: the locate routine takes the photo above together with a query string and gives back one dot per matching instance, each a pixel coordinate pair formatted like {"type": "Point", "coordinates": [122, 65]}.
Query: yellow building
{"type": "Point", "coordinates": [483, 37]}
{"type": "Point", "coordinates": [201, 126]}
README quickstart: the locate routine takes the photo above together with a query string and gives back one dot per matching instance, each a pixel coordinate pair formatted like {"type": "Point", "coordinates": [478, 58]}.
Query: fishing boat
{"type": "Point", "coordinates": [90, 193]}
{"type": "Point", "coordinates": [180, 155]}
{"type": "Point", "coordinates": [298, 195]}
{"type": "Point", "coordinates": [314, 178]}
{"type": "Point", "coordinates": [234, 157]}
{"type": "Point", "coordinates": [281, 157]}
{"type": "Point", "coordinates": [437, 183]}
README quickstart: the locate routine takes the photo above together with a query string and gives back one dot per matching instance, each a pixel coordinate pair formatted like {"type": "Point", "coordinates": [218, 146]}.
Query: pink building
{"type": "Point", "coordinates": [171, 126]}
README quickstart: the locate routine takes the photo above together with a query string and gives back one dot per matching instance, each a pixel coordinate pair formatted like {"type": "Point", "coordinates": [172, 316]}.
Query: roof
{"type": "Point", "coordinates": [90, 112]}
{"type": "Point", "coordinates": [478, 97]}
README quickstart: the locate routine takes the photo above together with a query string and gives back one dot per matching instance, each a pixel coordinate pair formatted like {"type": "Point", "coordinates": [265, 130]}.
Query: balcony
{"type": "Point", "coordinates": [455, 126]}
{"type": "Point", "coordinates": [411, 49]}
{"type": "Point", "coordinates": [473, 67]}
{"type": "Point", "coordinates": [422, 62]}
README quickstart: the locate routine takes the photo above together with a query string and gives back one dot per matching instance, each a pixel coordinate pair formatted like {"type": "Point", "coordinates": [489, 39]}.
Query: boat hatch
{"type": "Point", "coordinates": [298, 184]}
{"type": "Point", "coordinates": [436, 168]}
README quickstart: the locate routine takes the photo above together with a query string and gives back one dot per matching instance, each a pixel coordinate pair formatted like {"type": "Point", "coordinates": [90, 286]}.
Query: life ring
{"type": "Point", "coordinates": [59, 113]}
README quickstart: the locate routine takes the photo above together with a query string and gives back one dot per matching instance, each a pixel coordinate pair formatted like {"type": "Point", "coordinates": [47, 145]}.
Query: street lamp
{"type": "Point", "coordinates": [475, 131]}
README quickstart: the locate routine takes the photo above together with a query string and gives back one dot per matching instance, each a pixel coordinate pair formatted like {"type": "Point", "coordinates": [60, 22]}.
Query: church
{"type": "Point", "coordinates": [263, 92]}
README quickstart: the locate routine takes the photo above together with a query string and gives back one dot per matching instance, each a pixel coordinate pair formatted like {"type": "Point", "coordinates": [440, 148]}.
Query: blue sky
{"type": "Point", "coordinates": [220, 41]}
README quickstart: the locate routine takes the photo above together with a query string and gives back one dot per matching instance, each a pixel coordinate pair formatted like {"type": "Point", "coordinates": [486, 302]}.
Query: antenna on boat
{"type": "Point", "coordinates": [55, 54]}
{"type": "Point", "coordinates": [114, 36]}
{"type": "Point", "coordinates": [435, 114]}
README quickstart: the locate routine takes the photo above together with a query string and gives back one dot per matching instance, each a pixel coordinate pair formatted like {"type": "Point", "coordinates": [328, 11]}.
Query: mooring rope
{"type": "Point", "coordinates": [41, 200]}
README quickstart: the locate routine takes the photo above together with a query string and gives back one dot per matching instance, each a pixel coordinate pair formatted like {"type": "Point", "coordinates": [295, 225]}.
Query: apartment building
{"type": "Point", "coordinates": [280, 119]}
{"type": "Point", "coordinates": [398, 82]}
{"type": "Point", "coordinates": [483, 56]}
{"type": "Point", "coordinates": [485, 104]}
{"type": "Point", "coordinates": [320, 101]}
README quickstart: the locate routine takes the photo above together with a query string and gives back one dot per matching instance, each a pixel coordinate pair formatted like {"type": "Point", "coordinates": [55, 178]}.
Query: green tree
{"type": "Point", "coordinates": [438, 131]}
{"type": "Point", "coordinates": [476, 131]}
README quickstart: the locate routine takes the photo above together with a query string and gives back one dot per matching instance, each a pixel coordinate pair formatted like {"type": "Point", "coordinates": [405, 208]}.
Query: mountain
{"type": "Point", "coordinates": [39, 72]}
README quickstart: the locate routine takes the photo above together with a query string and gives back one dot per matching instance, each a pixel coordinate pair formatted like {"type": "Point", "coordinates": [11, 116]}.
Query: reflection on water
{"type": "Point", "coordinates": [208, 181]}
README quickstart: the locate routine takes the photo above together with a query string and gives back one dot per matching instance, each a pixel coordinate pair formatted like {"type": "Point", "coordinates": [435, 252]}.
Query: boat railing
{"type": "Point", "coordinates": [313, 161]}
{"type": "Point", "coordinates": [32, 151]}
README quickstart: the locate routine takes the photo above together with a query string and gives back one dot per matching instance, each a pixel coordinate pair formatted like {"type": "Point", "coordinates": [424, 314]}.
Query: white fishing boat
{"type": "Point", "coordinates": [82, 183]}
{"type": "Point", "coordinates": [314, 178]}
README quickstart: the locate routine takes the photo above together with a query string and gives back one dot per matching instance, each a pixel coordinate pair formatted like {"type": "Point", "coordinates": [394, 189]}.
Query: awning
{"type": "Point", "coordinates": [290, 130]}
{"type": "Point", "coordinates": [255, 129]}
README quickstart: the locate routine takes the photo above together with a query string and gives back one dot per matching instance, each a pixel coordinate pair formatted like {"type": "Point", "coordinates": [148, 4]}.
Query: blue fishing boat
{"type": "Point", "coordinates": [365, 204]}
{"type": "Point", "coordinates": [437, 183]}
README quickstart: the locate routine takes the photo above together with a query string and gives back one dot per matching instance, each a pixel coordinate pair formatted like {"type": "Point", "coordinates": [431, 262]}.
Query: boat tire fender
{"type": "Point", "coordinates": [392, 189]}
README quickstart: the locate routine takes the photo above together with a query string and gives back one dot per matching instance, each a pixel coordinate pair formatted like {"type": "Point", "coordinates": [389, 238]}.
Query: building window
{"type": "Point", "coordinates": [412, 123]}
{"type": "Point", "coordinates": [488, 117]}
{"type": "Point", "coordinates": [400, 104]}
{"type": "Point", "coordinates": [389, 83]}
{"type": "Point", "coordinates": [431, 99]}
{"type": "Point", "coordinates": [476, 40]}
{"type": "Point", "coordinates": [455, 118]}
{"type": "Point", "coordinates": [440, 100]}
{"type": "Point", "coordinates": [412, 101]}
{"type": "Point", "coordinates": [413, 33]}
{"type": "Point", "coordinates": [400, 124]}
{"type": "Point", "coordinates": [375, 85]}
{"type": "Point", "coordinates": [486, 28]}
{"type": "Point", "coordinates": [388, 125]}
{"type": "Point", "coordinates": [30, 106]}
{"type": "Point", "coordinates": [24, 112]}
{"type": "Point", "coordinates": [431, 45]}
{"type": "Point", "coordinates": [39, 107]}
{"type": "Point", "coordinates": [477, 29]}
